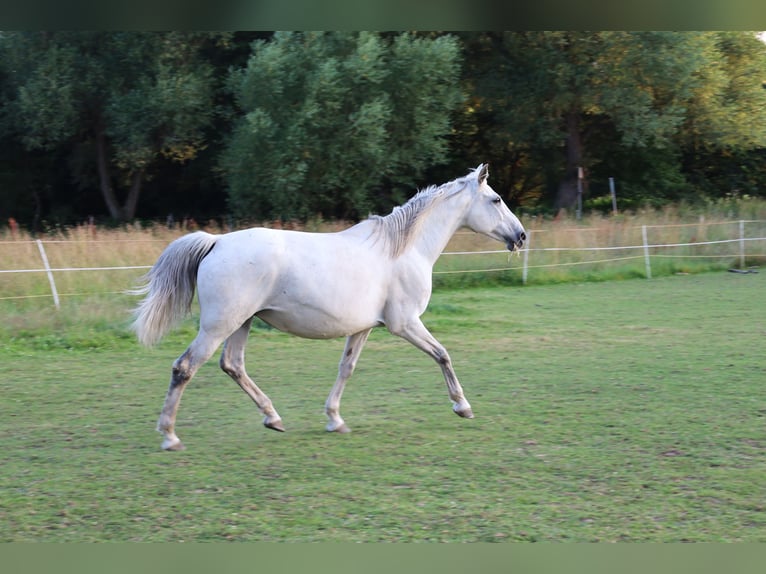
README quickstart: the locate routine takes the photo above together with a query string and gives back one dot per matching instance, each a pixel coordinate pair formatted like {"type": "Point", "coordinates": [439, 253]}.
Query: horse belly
{"type": "Point", "coordinates": [329, 318]}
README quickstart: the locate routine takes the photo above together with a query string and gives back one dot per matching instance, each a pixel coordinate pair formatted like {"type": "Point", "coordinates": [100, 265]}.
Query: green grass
{"type": "Point", "coordinates": [613, 411]}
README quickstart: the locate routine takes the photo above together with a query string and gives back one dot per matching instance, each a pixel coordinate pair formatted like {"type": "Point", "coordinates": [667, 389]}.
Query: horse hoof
{"type": "Point", "coordinates": [465, 413]}
{"type": "Point", "coordinates": [173, 446]}
{"type": "Point", "coordinates": [276, 425]}
{"type": "Point", "coordinates": [342, 428]}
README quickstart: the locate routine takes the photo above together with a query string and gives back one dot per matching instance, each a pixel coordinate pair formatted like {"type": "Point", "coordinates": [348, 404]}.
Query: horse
{"type": "Point", "coordinates": [317, 286]}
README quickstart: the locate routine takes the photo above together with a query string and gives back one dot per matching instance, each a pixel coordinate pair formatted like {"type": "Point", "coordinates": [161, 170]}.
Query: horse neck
{"type": "Point", "coordinates": [439, 225]}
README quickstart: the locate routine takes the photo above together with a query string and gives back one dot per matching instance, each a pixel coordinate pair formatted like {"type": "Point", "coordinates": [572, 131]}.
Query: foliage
{"type": "Point", "coordinates": [724, 135]}
{"type": "Point", "coordinates": [331, 120]}
{"type": "Point", "coordinates": [334, 125]}
{"type": "Point", "coordinates": [117, 101]}
{"type": "Point", "coordinates": [613, 103]}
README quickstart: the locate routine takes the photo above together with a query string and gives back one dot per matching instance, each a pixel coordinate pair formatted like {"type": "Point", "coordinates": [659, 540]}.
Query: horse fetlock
{"type": "Point", "coordinates": [165, 425]}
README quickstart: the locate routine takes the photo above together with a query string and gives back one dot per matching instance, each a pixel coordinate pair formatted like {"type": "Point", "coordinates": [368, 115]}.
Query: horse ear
{"type": "Point", "coordinates": [483, 172]}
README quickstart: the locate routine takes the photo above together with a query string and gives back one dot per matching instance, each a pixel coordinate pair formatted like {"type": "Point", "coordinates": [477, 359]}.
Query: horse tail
{"type": "Point", "coordinates": [169, 286]}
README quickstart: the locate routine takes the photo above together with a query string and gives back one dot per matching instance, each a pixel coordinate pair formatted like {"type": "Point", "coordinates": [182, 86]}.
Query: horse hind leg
{"type": "Point", "coordinates": [183, 370]}
{"type": "Point", "coordinates": [351, 352]}
{"type": "Point", "coordinates": [233, 364]}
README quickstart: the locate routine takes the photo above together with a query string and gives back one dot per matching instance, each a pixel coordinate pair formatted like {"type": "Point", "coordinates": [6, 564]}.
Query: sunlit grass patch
{"type": "Point", "coordinates": [610, 411]}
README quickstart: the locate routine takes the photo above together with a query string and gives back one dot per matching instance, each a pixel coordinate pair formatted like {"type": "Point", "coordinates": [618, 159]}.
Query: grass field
{"type": "Point", "coordinates": [612, 411]}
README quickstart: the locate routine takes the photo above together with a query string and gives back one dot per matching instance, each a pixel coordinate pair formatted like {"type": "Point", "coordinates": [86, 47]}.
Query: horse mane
{"type": "Point", "coordinates": [398, 228]}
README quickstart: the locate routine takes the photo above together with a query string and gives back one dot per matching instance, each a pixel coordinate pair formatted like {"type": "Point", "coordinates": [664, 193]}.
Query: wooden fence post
{"type": "Point", "coordinates": [741, 244]}
{"type": "Point", "coordinates": [50, 274]}
{"type": "Point", "coordinates": [647, 262]}
{"type": "Point", "coordinates": [526, 259]}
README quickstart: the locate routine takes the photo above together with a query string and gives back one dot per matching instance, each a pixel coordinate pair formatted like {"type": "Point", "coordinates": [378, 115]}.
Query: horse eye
{"type": "Point", "coordinates": [496, 200]}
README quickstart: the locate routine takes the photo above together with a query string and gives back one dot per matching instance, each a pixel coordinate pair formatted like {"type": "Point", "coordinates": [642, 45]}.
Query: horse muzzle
{"type": "Point", "coordinates": [514, 243]}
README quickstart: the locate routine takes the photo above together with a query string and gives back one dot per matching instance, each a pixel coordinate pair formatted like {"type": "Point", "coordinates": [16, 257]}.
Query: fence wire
{"type": "Point", "coordinates": [650, 250]}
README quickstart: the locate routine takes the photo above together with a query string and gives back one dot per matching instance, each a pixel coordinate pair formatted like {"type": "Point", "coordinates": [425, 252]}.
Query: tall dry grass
{"type": "Point", "coordinates": [600, 247]}
{"type": "Point", "coordinates": [552, 257]}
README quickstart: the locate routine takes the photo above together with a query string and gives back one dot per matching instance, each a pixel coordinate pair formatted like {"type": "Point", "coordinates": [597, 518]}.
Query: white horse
{"type": "Point", "coordinates": [316, 285]}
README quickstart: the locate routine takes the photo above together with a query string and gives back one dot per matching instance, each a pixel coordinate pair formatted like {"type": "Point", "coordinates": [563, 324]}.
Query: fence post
{"type": "Point", "coordinates": [741, 244]}
{"type": "Point", "coordinates": [646, 253]}
{"type": "Point", "coordinates": [526, 259]}
{"type": "Point", "coordinates": [50, 274]}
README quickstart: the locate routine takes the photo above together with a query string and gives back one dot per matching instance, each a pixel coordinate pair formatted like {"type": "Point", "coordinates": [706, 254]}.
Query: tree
{"type": "Point", "coordinates": [554, 90]}
{"type": "Point", "coordinates": [337, 123]}
{"type": "Point", "coordinates": [723, 137]}
{"type": "Point", "coordinates": [117, 102]}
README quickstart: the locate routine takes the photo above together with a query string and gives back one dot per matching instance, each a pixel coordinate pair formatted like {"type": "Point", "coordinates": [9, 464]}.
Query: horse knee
{"type": "Point", "coordinates": [229, 366]}
{"type": "Point", "coordinates": [442, 357]}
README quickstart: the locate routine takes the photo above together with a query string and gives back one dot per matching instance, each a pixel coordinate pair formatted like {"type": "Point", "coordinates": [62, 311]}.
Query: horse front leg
{"type": "Point", "coordinates": [417, 334]}
{"type": "Point", "coordinates": [351, 352]}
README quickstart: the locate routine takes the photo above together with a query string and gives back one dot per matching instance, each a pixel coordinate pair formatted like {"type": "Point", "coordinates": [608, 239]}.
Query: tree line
{"type": "Point", "coordinates": [295, 125]}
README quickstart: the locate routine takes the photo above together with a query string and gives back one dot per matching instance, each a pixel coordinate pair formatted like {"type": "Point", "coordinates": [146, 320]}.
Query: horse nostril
{"type": "Point", "coordinates": [522, 237]}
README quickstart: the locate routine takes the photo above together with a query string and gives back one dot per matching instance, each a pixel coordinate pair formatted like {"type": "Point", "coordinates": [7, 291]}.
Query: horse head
{"type": "Point", "coordinates": [489, 215]}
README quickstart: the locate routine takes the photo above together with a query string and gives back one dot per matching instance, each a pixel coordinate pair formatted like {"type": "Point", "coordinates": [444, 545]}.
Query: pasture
{"type": "Point", "coordinates": [615, 411]}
